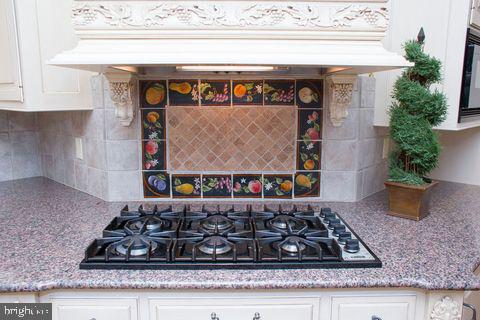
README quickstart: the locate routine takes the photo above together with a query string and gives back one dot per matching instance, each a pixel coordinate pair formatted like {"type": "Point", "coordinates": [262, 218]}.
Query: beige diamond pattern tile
{"type": "Point", "coordinates": [231, 139]}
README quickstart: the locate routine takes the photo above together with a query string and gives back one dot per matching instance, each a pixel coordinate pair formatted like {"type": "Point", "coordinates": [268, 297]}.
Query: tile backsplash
{"type": "Point", "coordinates": [200, 132]}
{"type": "Point", "coordinates": [326, 162]}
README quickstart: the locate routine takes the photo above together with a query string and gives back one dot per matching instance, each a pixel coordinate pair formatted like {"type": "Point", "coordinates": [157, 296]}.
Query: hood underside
{"type": "Point", "coordinates": [331, 36]}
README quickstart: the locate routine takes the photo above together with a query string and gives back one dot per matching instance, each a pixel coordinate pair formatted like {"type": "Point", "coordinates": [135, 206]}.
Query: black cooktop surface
{"type": "Point", "coordinates": [168, 239]}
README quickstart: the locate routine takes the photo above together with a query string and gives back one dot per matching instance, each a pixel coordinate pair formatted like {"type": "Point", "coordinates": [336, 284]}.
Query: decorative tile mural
{"type": "Point", "coordinates": [264, 138]}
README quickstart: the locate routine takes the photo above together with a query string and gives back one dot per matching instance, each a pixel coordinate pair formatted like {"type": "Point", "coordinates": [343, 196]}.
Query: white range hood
{"type": "Point", "coordinates": [121, 38]}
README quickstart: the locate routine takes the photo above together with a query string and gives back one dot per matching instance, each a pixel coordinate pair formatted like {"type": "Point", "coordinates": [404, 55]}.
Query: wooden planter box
{"type": "Point", "coordinates": [407, 201]}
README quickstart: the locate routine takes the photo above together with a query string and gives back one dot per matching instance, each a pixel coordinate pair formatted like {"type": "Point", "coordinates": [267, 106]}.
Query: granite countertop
{"type": "Point", "coordinates": [46, 227]}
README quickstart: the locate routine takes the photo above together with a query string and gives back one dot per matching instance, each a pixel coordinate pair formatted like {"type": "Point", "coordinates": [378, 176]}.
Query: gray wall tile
{"type": "Point", "coordinates": [345, 132]}
{"type": "Point", "coordinates": [81, 178]}
{"type": "Point", "coordinates": [339, 185]}
{"type": "Point", "coordinates": [21, 121]}
{"type": "Point", "coordinates": [366, 152]}
{"type": "Point", "coordinates": [115, 131]}
{"type": "Point", "coordinates": [96, 85]}
{"type": "Point", "coordinates": [48, 166]}
{"type": "Point", "coordinates": [124, 185]}
{"type": "Point", "coordinates": [97, 182]}
{"type": "Point", "coordinates": [339, 155]}
{"type": "Point", "coordinates": [70, 173]}
{"type": "Point", "coordinates": [4, 121]}
{"type": "Point", "coordinates": [95, 153]}
{"type": "Point", "coordinates": [6, 169]}
{"type": "Point", "coordinates": [123, 155]}
{"type": "Point", "coordinates": [367, 96]}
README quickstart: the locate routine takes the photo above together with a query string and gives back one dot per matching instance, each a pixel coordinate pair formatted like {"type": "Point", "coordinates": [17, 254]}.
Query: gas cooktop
{"type": "Point", "coordinates": [168, 239]}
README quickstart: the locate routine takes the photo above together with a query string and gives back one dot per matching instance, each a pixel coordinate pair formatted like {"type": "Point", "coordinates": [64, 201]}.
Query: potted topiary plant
{"type": "Point", "coordinates": [415, 111]}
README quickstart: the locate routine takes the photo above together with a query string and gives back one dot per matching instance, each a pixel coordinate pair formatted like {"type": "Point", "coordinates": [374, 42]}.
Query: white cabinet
{"type": "Point", "coordinates": [445, 23]}
{"type": "Point", "coordinates": [10, 78]}
{"type": "Point", "coordinates": [233, 309]}
{"type": "Point", "coordinates": [94, 309]}
{"type": "Point", "coordinates": [373, 307]}
{"type": "Point", "coordinates": [28, 83]}
{"type": "Point", "coordinates": [18, 298]}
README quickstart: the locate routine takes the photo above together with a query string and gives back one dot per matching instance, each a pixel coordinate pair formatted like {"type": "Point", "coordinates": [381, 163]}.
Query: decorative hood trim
{"type": "Point", "coordinates": [324, 34]}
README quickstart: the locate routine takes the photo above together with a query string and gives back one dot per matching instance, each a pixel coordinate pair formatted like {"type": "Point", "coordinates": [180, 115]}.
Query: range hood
{"type": "Point", "coordinates": [335, 37]}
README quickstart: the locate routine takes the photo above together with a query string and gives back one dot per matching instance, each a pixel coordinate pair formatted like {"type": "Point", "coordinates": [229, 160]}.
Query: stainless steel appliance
{"type": "Point", "coordinates": [470, 95]}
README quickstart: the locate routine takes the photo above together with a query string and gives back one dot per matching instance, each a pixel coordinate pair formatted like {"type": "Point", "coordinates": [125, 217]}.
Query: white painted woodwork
{"type": "Point", "coordinates": [10, 77]}
{"type": "Point", "coordinates": [97, 308]}
{"type": "Point", "coordinates": [445, 23]}
{"type": "Point", "coordinates": [18, 298]}
{"type": "Point", "coordinates": [233, 309]}
{"type": "Point", "coordinates": [344, 36]}
{"type": "Point", "coordinates": [44, 29]}
{"type": "Point", "coordinates": [322, 304]}
{"type": "Point", "coordinates": [368, 307]}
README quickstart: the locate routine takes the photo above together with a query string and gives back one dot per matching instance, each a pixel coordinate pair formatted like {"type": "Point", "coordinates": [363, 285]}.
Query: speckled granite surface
{"type": "Point", "coordinates": [46, 227]}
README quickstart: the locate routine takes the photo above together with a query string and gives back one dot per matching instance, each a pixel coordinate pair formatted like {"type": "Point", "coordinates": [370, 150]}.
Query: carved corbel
{"type": "Point", "coordinates": [446, 309]}
{"type": "Point", "coordinates": [340, 91]}
{"type": "Point", "coordinates": [123, 89]}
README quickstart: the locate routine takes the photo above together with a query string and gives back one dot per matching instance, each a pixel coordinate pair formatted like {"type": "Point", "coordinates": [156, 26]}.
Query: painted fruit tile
{"type": "Point", "coordinates": [153, 94]}
{"type": "Point", "coordinates": [153, 124]}
{"type": "Point", "coordinates": [307, 184]}
{"type": "Point", "coordinates": [183, 93]}
{"type": "Point", "coordinates": [309, 155]}
{"type": "Point", "coordinates": [247, 92]}
{"type": "Point", "coordinates": [153, 154]}
{"type": "Point", "coordinates": [309, 93]}
{"type": "Point", "coordinates": [277, 186]}
{"type": "Point", "coordinates": [309, 125]}
{"type": "Point", "coordinates": [247, 186]}
{"type": "Point", "coordinates": [186, 186]}
{"type": "Point", "coordinates": [217, 186]}
{"type": "Point", "coordinates": [215, 93]}
{"type": "Point", "coordinates": [156, 184]}
{"type": "Point", "coordinates": [279, 92]}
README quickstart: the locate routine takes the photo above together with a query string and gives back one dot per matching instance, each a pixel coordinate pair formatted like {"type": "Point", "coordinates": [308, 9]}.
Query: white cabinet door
{"type": "Point", "coordinates": [10, 79]}
{"type": "Point", "coordinates": [373, 307]}
{"type": "Point", "coordinates": [235, 309]}
{"type": "Point", "coordinates": [94, 309]}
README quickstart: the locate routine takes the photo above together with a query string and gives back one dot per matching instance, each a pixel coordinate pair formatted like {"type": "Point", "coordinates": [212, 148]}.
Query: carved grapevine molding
{"type": "Point", "coordinates": [341, 91]}
{"type": "Point", "coordinates": [446, 309]}
{"type": "Point", "coordinates": [301, 15]}
{"type": "Point", "coordinates": [122, 93]}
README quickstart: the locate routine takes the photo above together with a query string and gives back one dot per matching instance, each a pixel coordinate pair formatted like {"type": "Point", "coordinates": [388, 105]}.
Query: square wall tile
{"type": "Point", "coordinates": [215, 93]}
{"type": "Point", "coordinates": [279, 92]}
{"type": "Point", "coordinates": [183, 93]}
{"type": "Point", "coordinates": [217, 186]}
{"type": "Point", "coordinates": [309, 125]}
{"type": "Point", "coordinates": [307, 184]}
{"type": "Point", "coordinates": [309, 155]}
{"type": "Point", "coordinates": [186, 186]}
{"type": "Point", "coordinates": [309, 93]}
{"type": "Point", "coordinates": [247, 186]}
{"type": "Point", "coordinates": [122, 155]}
{"type": "Point", "coordinates": [247, 92]}
{"type": "Point", "coordinates": [154, 155]}
{"type": "Point", "coordinates": [156, 184]}
{"type": "Point", "coordinates": [153, 124]}
{"type": "Point", "coordinates": [277, 186]}
{"type": "Point", "coordinates": [153, 94]}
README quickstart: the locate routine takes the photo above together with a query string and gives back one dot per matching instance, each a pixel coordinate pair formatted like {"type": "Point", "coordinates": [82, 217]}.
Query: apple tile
{"type": "Point", "coordinates": [310, 125]}
{"type": "Point", "coordinates": [309, 93]}
{"type": "Point", "coordinates": [153, 151]}
{"type": "Point", "coordinates": [247, 186]}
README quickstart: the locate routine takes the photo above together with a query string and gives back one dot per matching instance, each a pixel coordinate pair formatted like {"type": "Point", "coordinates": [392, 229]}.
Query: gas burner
{"type": "Point", "coordinates": [287, 223]}
{"type": "Point", "coordinates": [216, 223]}
{"type": "Point", "coordinates": [137, 244]}
{"type": "Point", "coordinates": [293, 245]}
{"type": "Point", "coordinates": [215, 245]}
{"type": "Point", "coordinates": [150, 223]}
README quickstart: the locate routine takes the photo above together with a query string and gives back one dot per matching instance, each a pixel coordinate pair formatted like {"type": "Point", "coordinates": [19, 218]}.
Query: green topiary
{"type": "Point", "coordinates": [413, 115]}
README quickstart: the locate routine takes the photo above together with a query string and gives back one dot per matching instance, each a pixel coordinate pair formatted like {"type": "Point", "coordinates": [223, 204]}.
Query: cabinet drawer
{"type": "Point", "coordinates": [237, 310]}
{"type": "Point", "coordinates": [368, 307]}
{"type": "Point", "coordinates": [97, 309]}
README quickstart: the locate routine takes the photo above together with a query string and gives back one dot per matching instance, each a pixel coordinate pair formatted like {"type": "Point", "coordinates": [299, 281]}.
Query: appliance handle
{"type": "Point", "coordinates": [213, 316]}
{"type": "Point", "coordinates": [474, 310]}
{"type": "Point", "coordinates": [256, 316]}
{"type": "Point", "coordinates": [376, 318]}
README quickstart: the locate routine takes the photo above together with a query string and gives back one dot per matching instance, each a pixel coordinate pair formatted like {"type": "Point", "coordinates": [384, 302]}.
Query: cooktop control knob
{"type": "Point", "coordinates": [325, 211]}
{"type": "Point", "coordinates": [343, 237]}
{"type": "Point", "coordinates": [352, 246]}
{"type": "Point", "coordinates": [337, 229]}
{"type": "Point", "coordinates": [329, 215]}
{"type": "Point", "coordinates": [333, 222]}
